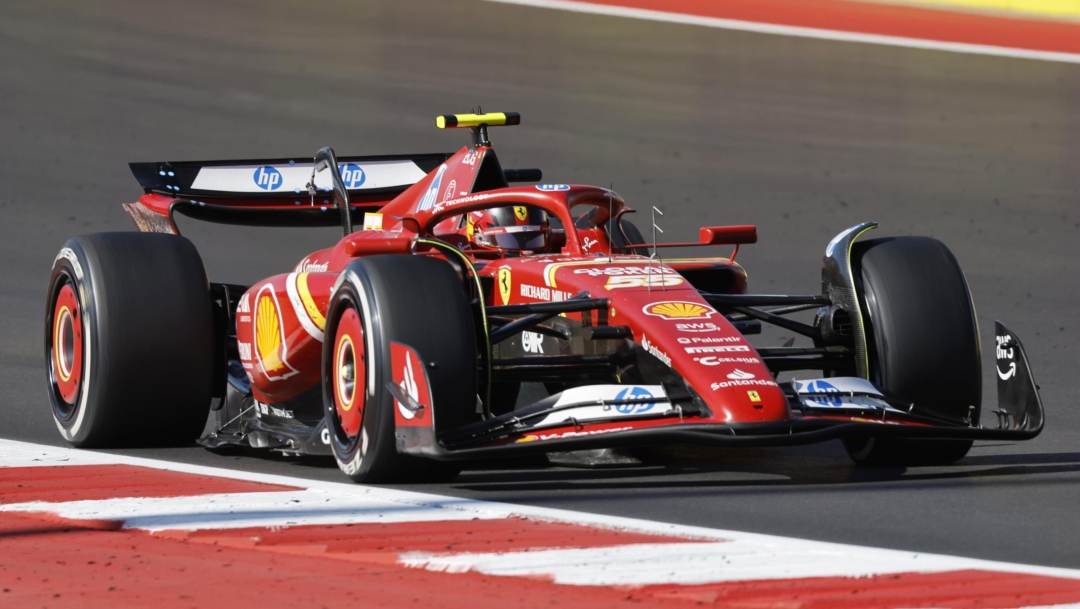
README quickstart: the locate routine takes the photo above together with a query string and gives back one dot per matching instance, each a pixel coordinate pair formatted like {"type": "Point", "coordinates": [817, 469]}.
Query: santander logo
{"type": "Point", "coordinates": [739, 375]}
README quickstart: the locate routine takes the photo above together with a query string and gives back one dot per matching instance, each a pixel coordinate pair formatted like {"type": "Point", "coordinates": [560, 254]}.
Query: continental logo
{"type": "Point", "coordinates": [270, 336]}
{"type": "Point", "coordinates": [674, 310]}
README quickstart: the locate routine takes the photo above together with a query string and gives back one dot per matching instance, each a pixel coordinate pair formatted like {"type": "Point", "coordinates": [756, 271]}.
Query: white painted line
{"type": "Point", "coordinates": [69, 456]}
{"type": "Point", "coordinates": [792, 30]}
{"type": "Point", "coordinates": [242, 510]}
{"type": "Point", "coordinates": [21, 454]}
{"type": "Point", "coordinates": [687, 563]}
{"type": "Point", "coordinates": [197, 512]}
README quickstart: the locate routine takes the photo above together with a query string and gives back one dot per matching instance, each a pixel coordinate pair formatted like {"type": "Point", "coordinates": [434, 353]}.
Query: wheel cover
{"type": "Point", "coordinates": [66, 346]}
{"type": "Point", "coordinates": [349, 372]}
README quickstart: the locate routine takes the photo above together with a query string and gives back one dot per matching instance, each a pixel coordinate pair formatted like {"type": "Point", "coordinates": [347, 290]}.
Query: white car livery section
{"type": "Point", "coordinates": [285, 177]}
{"type": "Point", "coordinates": [596, 394]}
{"type": "Point", "coordinates": [841, 392]}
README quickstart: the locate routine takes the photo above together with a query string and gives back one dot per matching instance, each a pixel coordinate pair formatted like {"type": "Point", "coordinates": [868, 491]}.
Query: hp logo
{"type": "Point", "coordinates": [352, 175]}
{"type": "Point", "coordinates": [634, 393]}
{"type": "Point", "coordinates": [824, 387]}
{"type": "Point", "coordinates": [552, 187]}
{"type": "Point", "coordinates": [267, 178]}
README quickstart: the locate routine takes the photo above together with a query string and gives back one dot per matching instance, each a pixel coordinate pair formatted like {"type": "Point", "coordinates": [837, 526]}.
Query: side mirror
{"type": "Point", "coordinates": [728, 235]}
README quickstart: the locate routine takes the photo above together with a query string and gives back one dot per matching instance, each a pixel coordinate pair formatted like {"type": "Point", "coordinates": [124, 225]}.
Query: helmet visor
{"type": "Point", "coordinates": [514, 237]}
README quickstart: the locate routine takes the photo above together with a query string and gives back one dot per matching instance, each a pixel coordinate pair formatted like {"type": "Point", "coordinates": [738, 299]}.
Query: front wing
{"type": "Point", "coordinates": [1019, 417]}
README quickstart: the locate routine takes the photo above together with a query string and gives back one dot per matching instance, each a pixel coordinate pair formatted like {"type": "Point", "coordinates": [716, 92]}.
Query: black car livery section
{"type": "Point", "coordinates": [1019, 405]}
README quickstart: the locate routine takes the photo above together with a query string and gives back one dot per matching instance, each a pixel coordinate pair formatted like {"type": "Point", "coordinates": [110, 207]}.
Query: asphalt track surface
{"type": "Point", "coordinates": [801, 137]}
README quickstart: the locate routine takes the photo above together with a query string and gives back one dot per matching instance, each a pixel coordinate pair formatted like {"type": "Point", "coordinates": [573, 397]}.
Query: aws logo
{"type": "Point", "coordinates": [267, 178]}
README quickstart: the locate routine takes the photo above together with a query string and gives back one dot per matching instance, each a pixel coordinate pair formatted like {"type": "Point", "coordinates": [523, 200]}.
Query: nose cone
{"type": "Point", "coordinates": [672, 322]}
{"type": "Point", "coordinates": [744, 392]}
{"type": "Point", "coordinates": [680, 329]}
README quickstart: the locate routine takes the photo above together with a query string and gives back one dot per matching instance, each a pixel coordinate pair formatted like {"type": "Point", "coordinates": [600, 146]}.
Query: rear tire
{"type": "Point", "coordinates": [129, 341]}
{"type": "Point", "coordinates": [922, 343]}
{"type": "Point", "coordinates": [633, 235]}
{"type": "Point", "coordinates": [414, 300]}
{"type": "Point", "coordinates": [625, 227]}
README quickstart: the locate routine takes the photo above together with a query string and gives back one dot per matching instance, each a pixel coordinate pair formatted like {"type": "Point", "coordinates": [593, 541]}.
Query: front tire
{"type": "Point", "coordinates": [922, 343]}
{"type": "Point", "coordinates": [414, 300]}
{"type": "Point", "coordinates": [129, 341]}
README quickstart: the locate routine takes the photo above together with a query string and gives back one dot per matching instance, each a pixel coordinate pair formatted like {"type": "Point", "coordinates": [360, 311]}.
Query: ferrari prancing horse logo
{"type": "Point", "coordinates": [504, 284]}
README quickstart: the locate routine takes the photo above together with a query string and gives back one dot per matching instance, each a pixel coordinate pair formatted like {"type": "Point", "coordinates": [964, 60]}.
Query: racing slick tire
{"type": "Point", "coordinates": [129, 340]}
{"type": "Point", "coordinates": [414, 300]}
{"type": "Point", "coordinates": [922, 341]}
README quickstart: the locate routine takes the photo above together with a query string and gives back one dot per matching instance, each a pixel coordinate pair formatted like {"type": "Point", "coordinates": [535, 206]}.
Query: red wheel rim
{"type": "Point", "coordinates": [67, 344]}
{"type": "Point", "coordinates": [349, 372]}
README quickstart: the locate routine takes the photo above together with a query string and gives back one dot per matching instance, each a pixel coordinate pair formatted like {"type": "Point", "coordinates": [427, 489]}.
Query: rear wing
{"type": "Point", "coordinates": [269, 192]}
{"type": "Point", "coordinates": [274, 179]}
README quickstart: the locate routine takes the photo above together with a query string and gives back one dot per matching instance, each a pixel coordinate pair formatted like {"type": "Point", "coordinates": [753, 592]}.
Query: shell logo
{"type": "Point", "coordinates": [678, 310]}
{"type": "Point", "coordinates": [268, 333]}
{"type": "Point", "coordinates": [270, 337]}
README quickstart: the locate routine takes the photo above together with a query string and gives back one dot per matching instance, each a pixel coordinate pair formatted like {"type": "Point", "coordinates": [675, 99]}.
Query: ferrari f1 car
{"type": "Point", "coordinates": [402, 348]}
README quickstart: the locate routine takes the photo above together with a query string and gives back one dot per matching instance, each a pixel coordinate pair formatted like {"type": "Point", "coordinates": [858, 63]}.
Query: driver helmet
{"type": "Point", "coordinates": [515, 228]}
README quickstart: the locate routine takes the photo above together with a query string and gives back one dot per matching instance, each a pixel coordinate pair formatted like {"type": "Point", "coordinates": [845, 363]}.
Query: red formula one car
{"type": "Point", "coordinates": [402, 349]}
